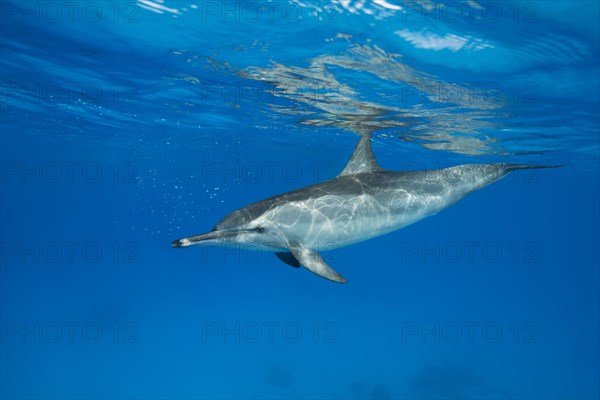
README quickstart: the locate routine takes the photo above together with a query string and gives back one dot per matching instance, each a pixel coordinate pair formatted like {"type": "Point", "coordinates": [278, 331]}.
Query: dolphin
{"type": "Point", "coordinates": [362, 202]}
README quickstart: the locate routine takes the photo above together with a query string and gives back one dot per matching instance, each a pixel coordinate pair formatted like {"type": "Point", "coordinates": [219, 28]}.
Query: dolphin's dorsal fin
{"type": "Point", "coordinates": [362, 159]}
{"type": "Point", "coordinates": [314, 263]}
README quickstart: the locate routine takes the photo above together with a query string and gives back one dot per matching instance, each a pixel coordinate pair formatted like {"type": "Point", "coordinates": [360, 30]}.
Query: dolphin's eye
{"type": "Point", "coordinates": [259, 229]}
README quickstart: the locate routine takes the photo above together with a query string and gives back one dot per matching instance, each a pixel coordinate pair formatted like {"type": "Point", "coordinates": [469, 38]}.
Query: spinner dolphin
{"type": "Point", "coordinates": [363, 202]}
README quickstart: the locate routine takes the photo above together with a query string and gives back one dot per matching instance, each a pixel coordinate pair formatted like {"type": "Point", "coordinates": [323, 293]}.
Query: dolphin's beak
{"type": "Point", "coordinates": [203, 237]}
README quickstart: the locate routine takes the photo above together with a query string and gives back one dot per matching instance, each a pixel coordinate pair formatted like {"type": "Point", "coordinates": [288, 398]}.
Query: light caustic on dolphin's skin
{"type": "Point", "coordinates": [364, 201]}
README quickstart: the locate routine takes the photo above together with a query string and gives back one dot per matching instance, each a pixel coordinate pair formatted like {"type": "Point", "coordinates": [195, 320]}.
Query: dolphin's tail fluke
{"type": "Point", "coordinates": [505, 169]}
{"type": "Point", "coordinates": [512, 167]}
{"type": "Point", "coordinates": [471, 177]}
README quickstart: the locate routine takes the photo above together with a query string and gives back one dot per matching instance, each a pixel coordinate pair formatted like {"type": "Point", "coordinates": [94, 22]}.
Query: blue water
{"type": "Point", "coordinates": [125, 126]}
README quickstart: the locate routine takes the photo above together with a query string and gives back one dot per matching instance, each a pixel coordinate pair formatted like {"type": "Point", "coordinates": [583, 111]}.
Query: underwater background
{"type": "Point", "coordinates": [126, 125]}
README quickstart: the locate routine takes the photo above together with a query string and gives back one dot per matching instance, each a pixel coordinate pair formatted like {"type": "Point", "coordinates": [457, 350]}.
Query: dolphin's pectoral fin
{"type": "Point", "coordinates": [315, 263]}
{"type": "Point", "coordinates": [362, 159]}
{"type": "Point", "coordinates": [288, 258]}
